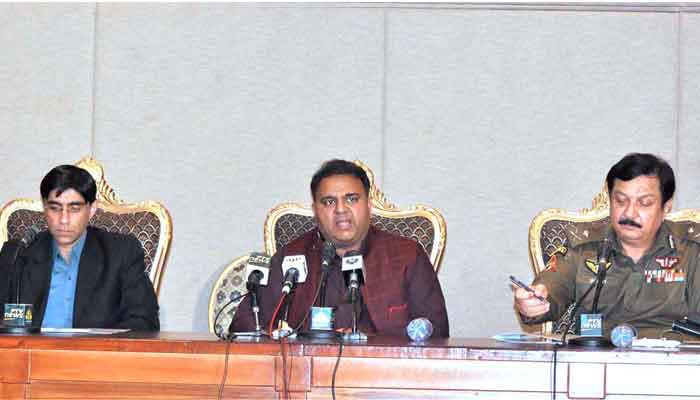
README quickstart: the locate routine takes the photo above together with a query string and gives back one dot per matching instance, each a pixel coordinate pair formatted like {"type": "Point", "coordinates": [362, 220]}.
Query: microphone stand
{"type": "Point", "coordinates": [322, 288]}
{"type": "Point", "coordinates": [256, 311]}
{"type": "Point", "coordinates": [321, 333]}
{"type": "Point", "coordinates": [284, 330]}
{"type": "Point", "coordinates": [355, 335]}
{"type": "Point", "coordinates": [18, 275]}
{"type": "Point", "coordinates": [590, 341]}
{"type": "Point", "coordinates": [598, 287]}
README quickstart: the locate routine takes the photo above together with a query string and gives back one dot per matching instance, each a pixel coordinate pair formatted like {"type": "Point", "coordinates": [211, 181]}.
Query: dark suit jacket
{"type": "Point", "coordinates": [113, 290]}
{"type": "Point", "coordinates": [400, 285]}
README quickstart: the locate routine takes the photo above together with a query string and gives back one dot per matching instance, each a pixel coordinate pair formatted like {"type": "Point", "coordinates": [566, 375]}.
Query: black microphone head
{"type": "Point", "coordinates": [292, 275]}
{"type": "Point", "coordinates": [255, 277]}
{"type": "Point", "coordinates": [352, 253]}
{"type": "Point", "coordinates": [604, 252]}
{"type": "Point", "coordinates": [29, 236]}
{"type": "Point", "coordinates": [327, 254]}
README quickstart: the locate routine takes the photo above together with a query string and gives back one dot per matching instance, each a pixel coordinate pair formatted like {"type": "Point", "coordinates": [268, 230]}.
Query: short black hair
{"type": "Point", "coordinates": [338, 167]}
{"type": "Point", "coordinates": [66, 177]}
{"type": "Point", "coordinates": [637, 164]}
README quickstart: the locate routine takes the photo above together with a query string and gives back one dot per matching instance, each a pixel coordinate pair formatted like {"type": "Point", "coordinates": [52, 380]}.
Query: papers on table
{"type": "Point", "coordinates": [520, 337]}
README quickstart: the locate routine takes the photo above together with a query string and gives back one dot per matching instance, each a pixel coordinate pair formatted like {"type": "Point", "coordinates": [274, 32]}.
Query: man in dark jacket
{"type": "Point", "coordinates": [400, 282]}
{"type": "Point", "coordinates": [78, 276]}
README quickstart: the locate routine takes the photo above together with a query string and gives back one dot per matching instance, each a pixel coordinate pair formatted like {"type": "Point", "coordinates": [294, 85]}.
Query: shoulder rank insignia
{"type": "Point", "coordinates": [592, 265]}
{"type": "Point", "coordinates": [666, 262]}
{"type": "Point", "coordinates": [552, 263]}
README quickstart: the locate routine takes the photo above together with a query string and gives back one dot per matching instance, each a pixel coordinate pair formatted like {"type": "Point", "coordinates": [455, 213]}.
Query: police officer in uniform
{"type": "Point", "coordinates": [652, 277]}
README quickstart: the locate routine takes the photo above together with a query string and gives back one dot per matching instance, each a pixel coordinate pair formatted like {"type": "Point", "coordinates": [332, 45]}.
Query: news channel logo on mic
{"type": "Point", "coordinates": [419, 329]}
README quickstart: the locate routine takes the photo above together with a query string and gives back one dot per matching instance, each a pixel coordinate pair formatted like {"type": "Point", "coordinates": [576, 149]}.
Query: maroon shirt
{"type": "Point", "coordinates": [400, 285]}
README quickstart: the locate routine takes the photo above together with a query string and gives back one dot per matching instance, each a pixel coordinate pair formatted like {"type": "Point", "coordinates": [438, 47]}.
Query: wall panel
{"type": "Point", "coordinates": [46, 68]}
{"type": "Point", "coordinates": [223, 111]}
{"type": "Point", "coordinates": [688, 173]}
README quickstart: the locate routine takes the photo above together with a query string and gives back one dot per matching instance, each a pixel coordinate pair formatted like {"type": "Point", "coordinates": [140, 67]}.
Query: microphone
{"type": "Point", "coordinates": [419, 329]}
{"type": "Point", "coordinates": [623, 335]}
{"type": "Point", "coordinates": [17, 317]}
{"type": "Point", "coordinates": [294, 270]}
{"type": "Point", "coordinates": [257, 269]}
{"type": "Point", "coordinates": [352, 266]}
{"type": "Point", "coordinates": [29, 236]}
{"type": "Point", "coordinates": [327, 256]}
{"type": "Point", "coordinates": [24, 242]}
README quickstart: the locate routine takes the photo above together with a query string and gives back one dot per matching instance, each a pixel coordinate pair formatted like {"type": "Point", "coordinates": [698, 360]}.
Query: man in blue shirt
{"type": "Point", "coordinates": [78, 276]}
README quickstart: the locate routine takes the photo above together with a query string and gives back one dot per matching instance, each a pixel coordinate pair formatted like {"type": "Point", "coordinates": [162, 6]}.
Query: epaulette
{"type": "Point", "coordinates": [552, 257]}
{"type": "Point", "coordinates": [587, 232]}
{"type": "Point", "coordinates": [686, 230]}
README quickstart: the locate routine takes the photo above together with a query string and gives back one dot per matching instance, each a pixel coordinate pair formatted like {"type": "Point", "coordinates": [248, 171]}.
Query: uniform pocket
{"type": "Point", "coordinates": [643, 298]}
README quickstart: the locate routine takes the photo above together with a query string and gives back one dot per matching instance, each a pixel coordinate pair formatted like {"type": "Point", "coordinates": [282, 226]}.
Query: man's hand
{"type": "Point", "coordinates": [528, 305]}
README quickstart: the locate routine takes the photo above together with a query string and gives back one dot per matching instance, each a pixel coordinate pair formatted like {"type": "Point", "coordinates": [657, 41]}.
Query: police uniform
{"type": "Point", "coordinates": [664, 285]}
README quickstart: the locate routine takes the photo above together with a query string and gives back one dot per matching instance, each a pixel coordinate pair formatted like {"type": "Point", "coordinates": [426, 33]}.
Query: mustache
{"type": "Point", "coordinates": [628, 221]}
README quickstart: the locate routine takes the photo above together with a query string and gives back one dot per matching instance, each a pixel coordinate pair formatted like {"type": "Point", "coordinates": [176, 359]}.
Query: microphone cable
{"type": "Point", "coordinates": [228, 337]}
{"type": "Point", "coordinates": [274, 314]}
{"type": "Point", "coordinates": [306, 316]}
{"type": "Point", "coordinates": [223, 379]}
{"type": "Point", "coordinates": [335, 368]}
{"type": "Point", "coordinates": [286, 372]}
{"type": "Point", "coordinates": [286, 376]}
{"type": "Point", "coordinates": [554, 370]}
{"type": "Point", "coordinates": [575, 309]}
{"type": "Point", "coordinates": [221, 334]}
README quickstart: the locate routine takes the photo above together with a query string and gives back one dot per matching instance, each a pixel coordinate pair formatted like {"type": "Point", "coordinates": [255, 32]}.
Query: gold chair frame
{"type": "Point", "coordinates": [380, 207]}
{"type": "Point", "coordinates": [242, 260]}
{"type": "Point", "coordinates": [107, 200]}
{"type": "Point", "coordinates": [600, 209]}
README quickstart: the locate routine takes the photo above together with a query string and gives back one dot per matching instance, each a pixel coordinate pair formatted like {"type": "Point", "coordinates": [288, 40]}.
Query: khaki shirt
{"type": "Point", "coordinates": [664, 285]}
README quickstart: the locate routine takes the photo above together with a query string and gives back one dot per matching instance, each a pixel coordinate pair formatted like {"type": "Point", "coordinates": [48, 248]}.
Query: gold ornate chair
{"type": "Point", "coordinates": [148, 221]}
{"type": "Point", "coordinates": [547, 235]}
{"type": "Point", "coordinates": [288, 221]}
{"type": "Point", "coordinates": [231, 284]}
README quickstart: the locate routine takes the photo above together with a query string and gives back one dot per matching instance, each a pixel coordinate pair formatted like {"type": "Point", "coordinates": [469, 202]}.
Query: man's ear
{"type": "Point", "coordinates": [313, 208]}
{"type": "Point", "coordinates": [668, 206]}
{"type": "Point", "coordinates": [93, 208]}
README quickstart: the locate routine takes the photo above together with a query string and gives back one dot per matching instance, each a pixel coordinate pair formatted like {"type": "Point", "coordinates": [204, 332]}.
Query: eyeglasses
{"type": "Point", "coordinates": [71, 208]}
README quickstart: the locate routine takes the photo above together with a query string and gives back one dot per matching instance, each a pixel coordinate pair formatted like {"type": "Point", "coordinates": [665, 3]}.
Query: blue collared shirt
{"type": "Point", "coordinates": [64, 276]}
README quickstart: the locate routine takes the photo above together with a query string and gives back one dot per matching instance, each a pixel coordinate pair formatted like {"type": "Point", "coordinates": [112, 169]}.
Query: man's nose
{"type": "Point", "coordinates": [631, 211]}
{"type": "Point", "coordinates": [341, 207]}
{"type": "Point", "coordinates": [65, 216]}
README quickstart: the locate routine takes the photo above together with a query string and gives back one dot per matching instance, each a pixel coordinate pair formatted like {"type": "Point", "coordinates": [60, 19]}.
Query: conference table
{"type": "Point", "coordinates": [182, 365]}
